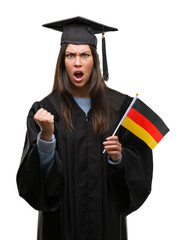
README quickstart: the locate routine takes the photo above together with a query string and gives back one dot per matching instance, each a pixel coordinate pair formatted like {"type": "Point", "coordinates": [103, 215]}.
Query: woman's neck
{"type": "Point", "coordinates": [81, 94]}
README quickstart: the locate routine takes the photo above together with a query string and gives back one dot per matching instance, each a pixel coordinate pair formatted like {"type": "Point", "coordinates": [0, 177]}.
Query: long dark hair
{"type": "Point", "coordinates": [99, 105]}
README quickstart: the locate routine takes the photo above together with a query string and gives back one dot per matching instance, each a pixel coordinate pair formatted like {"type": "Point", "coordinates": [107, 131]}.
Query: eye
{"type": "Point", "coordinates": [70, 55]}
{"type": "Point", "coordinates": [85, 55]}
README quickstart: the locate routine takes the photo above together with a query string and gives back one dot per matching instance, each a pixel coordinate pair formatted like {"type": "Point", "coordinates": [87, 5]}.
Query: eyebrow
{"type": "Point", "coordinates": [83, 51]}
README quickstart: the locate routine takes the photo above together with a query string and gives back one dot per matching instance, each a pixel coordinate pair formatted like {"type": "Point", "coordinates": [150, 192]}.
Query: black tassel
{"type": "Point", "coordinates": [104, 55]}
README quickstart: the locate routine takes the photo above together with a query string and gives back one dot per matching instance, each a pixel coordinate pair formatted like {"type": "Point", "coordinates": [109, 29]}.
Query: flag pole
{"type": "Point", "coordinates": [124, 116]}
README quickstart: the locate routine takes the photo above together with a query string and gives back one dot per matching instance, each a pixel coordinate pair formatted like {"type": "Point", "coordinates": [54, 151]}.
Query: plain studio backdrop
{"type": "Point", "coordinates": [146, 56]}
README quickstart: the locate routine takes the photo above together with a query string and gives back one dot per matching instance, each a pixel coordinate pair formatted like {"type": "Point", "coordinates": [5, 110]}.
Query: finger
{"type": "Point", "coordinates": [44, 116]}
{"type": "Point", "coordinates": [111, 148]}
{"type": "Point", "coordinates": [113, 153]}
{"type": "Point", "coordinates": [107, 143]}
{"type": "Point", "coordinates": [112, 145]}
{"type": "Point", "coordinates": [52, 118]}
{"type": "Point", "coordinates": [38, 113]}
{"type": "Point", "coordinates": [41, 116]}
{"type": "Point", "coordinates": [112, 138]}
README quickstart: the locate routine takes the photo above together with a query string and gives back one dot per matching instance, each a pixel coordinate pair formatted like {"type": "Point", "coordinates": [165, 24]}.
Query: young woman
{"type": "Point", "coordinates": [82, 193]}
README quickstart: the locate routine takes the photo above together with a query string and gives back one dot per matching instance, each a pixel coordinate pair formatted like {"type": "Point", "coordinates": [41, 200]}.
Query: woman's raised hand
{"type": "Point", "coordinates": [46, 122]}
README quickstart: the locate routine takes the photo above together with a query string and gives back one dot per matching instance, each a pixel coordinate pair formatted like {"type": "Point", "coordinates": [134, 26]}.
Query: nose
{"type": "Point", "coordinates": [78, 61]}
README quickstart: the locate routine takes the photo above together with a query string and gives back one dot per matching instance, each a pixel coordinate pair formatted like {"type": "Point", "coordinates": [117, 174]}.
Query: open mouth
{"type": "Point", "coordinates": [78, 75]}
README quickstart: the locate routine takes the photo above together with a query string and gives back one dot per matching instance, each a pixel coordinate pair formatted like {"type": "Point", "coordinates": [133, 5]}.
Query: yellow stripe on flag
{"type": "Point", "coordinates": [139, 132]}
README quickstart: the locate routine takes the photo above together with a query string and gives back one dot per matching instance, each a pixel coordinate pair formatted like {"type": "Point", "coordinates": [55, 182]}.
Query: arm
{"type": "Point", "coordinates": [30, 182]}
{"type": "Point", "coordinates": [132, 187]}
{"type": "Point", "coordinates": [46, 152]}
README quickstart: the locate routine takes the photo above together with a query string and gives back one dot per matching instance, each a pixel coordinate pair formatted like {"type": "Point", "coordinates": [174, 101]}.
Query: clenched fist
{"type": "Point", "coordinates": [46, 122]}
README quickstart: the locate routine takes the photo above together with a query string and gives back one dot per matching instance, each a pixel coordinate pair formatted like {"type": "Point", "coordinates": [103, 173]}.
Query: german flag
{"type": "Point", "coordinates": [145, 124]}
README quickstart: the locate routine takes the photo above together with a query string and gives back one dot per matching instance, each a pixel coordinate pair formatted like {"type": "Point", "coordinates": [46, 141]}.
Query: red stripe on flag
{"type": "Point", "coordinates": [145, 123]}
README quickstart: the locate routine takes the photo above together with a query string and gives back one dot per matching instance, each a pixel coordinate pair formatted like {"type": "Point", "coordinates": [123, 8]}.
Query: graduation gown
{"type": "Point", "coordinates": [83, 197]}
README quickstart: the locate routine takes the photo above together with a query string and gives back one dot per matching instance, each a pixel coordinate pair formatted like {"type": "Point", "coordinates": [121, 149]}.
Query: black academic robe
{"type": "Point", "coordinates": [83, 197]}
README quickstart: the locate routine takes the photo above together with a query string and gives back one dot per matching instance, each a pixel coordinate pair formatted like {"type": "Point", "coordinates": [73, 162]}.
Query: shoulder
{"type": "Point", "coordinates": [117, 100]}
{"type": "Point", "coordinates": [52, 98]}
{"type": "Point", "coordinates": [51, 103]}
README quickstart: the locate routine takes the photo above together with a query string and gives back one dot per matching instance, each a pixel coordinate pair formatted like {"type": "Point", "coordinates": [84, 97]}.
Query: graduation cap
{"type": "Point", "coordinates": [79, 30]}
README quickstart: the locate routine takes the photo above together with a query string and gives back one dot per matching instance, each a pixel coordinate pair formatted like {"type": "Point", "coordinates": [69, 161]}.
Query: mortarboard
{"type": "Point", "coordinates": [79, 30]}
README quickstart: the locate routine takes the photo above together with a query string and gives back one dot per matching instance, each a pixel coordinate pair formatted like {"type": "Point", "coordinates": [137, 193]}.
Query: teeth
{"type": "Point", "coordinates": [78, 74]}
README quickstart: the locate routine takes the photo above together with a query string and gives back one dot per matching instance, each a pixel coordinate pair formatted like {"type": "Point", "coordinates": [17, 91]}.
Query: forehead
{"type": "Point", "coordinates": [78, 47]}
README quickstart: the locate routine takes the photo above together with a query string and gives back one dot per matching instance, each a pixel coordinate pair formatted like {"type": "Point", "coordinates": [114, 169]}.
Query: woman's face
{"type": "Point", "coordinates": [79, 64]}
